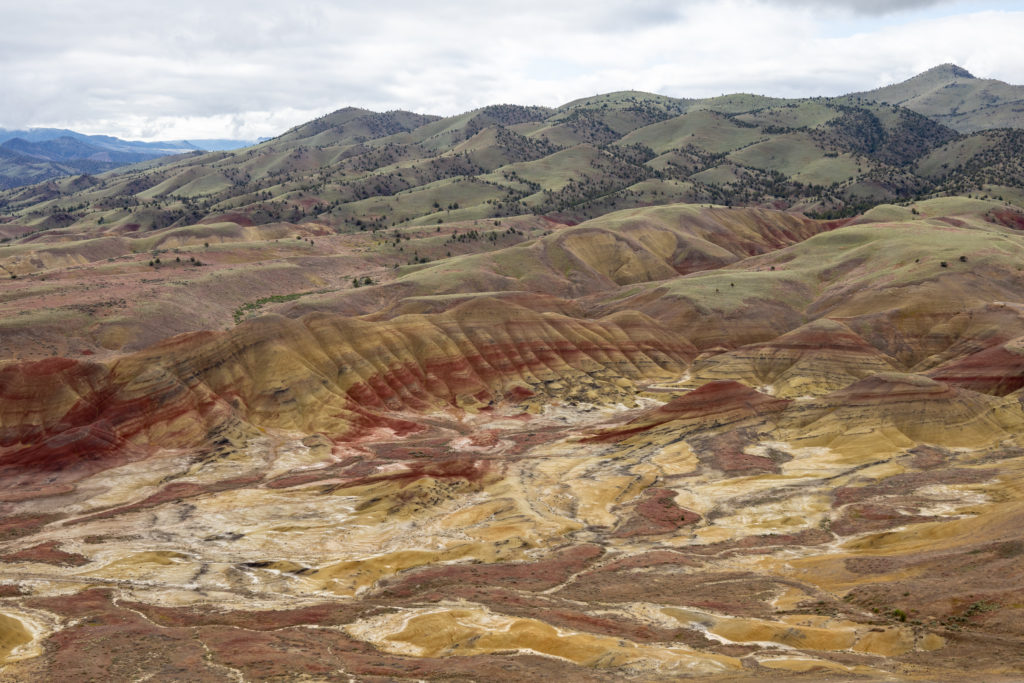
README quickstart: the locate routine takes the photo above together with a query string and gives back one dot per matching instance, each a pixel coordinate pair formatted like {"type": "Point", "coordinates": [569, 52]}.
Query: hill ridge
{"type": "Point", "coordinates": [951, 95]}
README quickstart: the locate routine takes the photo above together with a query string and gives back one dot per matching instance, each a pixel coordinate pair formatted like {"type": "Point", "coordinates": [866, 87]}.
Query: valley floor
{"type": "Point", "coordinates": [510, 545]}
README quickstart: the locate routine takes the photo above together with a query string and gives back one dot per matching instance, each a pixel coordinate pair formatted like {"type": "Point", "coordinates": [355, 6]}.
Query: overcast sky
{"type": "Point", "coordinates": [248, 68]}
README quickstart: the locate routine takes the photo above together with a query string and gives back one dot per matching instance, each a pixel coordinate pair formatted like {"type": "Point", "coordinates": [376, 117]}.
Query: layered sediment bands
{"type": "Point", "coordinates": [972, 331]}
{"type": "Point", "coordinates": [324, 373]}
{"type": "Point", "coordinates": [814, 359]}
{"type": "Point", "coordinates": [716, 541]}
{"type": "Point", "coordinates": [72, 418]}
{"type": "Point", "coordinates": [698, 231]}
{"type": "Point", "coordinates": [902, 409]}
{"type": "Point", "coordinates": [36, 396]}
{"type": "Point", "coordinates": [998, 370]}
{"type": "Point", "coordinates": [718, 403]}
{"type": "Point", "coordinates": [887, 413]}
{"type": "Point", "coordinates": [301, 374]}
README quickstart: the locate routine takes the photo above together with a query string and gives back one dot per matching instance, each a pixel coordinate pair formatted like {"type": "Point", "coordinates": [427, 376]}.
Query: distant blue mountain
{"type": "Point", "coordinates": [30, 156]}
{"type": "Point", "coordinates": [112, 143]}
{"type": "Point", "coordinates": [69, 149]}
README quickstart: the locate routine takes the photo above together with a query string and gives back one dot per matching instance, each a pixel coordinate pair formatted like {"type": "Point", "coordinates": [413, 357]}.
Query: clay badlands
{"type": "Point", "coordinates": [335, 408]}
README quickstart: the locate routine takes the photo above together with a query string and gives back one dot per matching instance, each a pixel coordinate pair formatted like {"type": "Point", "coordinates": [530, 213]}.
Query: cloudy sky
{"type": "Point", "coordinates": [249, 68]}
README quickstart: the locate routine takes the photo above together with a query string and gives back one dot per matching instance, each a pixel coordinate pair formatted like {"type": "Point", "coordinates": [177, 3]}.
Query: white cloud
{"type": "Point", "coordinates": [212, 69]}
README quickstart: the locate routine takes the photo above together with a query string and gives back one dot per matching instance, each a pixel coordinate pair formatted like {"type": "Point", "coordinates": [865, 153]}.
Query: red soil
{"type": "Point", "coordinates": [889, 389]}
{"type": "Point", "coordinates": [48, 553]}
{"type": "Point", "coordinates": [1009, 218]}
{"type": "Point", "coordinates": [722, 400]}
{"type": "Point", "coordinates": [996, 371]}
{"type": "Point", "coordinates": [656, 513]}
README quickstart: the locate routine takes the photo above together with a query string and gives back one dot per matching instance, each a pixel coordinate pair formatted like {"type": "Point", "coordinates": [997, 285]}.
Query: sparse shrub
{"type": "Point", "coordinates": [943, 264]}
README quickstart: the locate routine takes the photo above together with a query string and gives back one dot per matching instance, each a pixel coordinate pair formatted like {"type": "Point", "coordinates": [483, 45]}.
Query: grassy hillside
{"type": "Point", "coordinates": [355, 170]}
{"type": "Point", "coordinates": [953, 97]}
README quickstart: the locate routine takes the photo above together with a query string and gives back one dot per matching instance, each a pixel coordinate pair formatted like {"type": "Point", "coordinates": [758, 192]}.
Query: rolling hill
{"type": "Point", "coordinates": [356, 169]}
{"type": "Point", "coordinates": [950, 95]}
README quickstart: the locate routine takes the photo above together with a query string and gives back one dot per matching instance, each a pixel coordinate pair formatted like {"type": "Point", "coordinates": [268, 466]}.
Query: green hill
{"type": "Point", "coordinates": [355, 169]}
{"type": "Point", "coordinates": [953, 97]}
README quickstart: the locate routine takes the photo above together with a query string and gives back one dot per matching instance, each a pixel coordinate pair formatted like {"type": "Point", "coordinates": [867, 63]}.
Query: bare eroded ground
{"type": "Point", "coordinates": [502, 545]}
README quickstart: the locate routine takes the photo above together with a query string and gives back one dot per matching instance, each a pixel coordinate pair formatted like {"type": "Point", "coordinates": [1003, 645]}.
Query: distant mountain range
{"type": "Point", "coordinates": [30, 156]}
{"type": "Point", "coordinates": [941, 132]}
